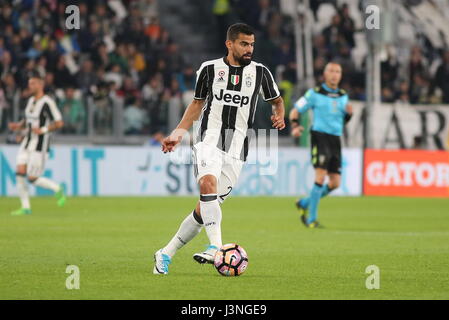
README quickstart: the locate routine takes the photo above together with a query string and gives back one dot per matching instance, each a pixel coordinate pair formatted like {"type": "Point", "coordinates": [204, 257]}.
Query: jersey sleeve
{"type": "Point", "coordinates": [52, 110]}
{"type": "Point", "coordinates": [202, 80]}
{"type": "Point", "coordinates": [270, 90]}
{"type": "Point", "coordinates": [305, 102]}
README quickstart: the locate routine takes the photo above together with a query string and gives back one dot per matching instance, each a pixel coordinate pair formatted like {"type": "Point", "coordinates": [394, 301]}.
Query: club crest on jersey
{"type": "Point", "coordinates": [248, 81]}
{"type": "Point", "coordinates": [235, 79]}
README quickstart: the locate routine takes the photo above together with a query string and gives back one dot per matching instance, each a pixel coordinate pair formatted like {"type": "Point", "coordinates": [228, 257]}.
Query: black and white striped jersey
{"type": "Point", "coordinates": [231, 95]}
{"type": "Point", "coordinates": [39, 114]}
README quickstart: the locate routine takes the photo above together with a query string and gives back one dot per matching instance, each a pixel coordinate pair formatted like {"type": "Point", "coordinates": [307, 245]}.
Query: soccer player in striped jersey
{"type": "Point", "coordinates": [41, 117]}
{"type": "Point", "coordinates": [225, 101]}
{"type": "Point", "coordinates": [330, 113]}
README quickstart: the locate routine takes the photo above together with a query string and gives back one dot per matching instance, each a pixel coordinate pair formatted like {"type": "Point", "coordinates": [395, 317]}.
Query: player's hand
{"type": "Point", "coordinates": [37, 131]}
{"type": "Point", "coordinates": [349, 109]}
{"type": "Point", "coordinates": [170, 142]}
{"type": "Point", "coordinates": [278, 122]}
{"type": "Point", "coordinates": [14, 126]}
{"type": "Point", "coordinates": [297, 131]}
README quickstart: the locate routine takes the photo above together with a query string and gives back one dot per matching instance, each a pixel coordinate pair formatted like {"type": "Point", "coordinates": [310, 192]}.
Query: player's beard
{"type": "Point", "coordinates": [242, 61]}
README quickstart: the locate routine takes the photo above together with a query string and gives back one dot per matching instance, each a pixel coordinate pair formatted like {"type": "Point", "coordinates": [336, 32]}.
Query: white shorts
{"type": "Point", "coordinates": [34, 160]}
{"type": "Point", "coordinates": [209, 160]}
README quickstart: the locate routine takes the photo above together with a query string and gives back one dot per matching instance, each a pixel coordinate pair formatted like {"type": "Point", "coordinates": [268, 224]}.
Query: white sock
{"type": "Point", "coordinates": [187, 231]}
{"type": "Point", "coordinates": [22, 187]}
{"type": "Point", "coordinates": [46, 183]}
{"type": "Point", "coordinates": [211, 215]}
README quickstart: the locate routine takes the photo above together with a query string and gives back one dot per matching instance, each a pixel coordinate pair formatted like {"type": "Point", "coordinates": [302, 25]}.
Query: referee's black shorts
{"type": "Point", "coordinates": [326, 152]}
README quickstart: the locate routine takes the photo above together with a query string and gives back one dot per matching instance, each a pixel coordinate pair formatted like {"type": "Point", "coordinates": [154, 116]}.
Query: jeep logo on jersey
{"type": "Point", "coordinates": [232, 98]}
{"type": "Point", "coordinates": [235, 79]}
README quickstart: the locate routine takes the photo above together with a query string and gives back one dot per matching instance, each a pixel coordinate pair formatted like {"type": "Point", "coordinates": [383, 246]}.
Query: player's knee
{"type": "Point", "coordinates": [319, 180]}
{"type": "Point", "coordinates": [198, 209]}
{"type": "Point", "coordinates": [334, 185]}
{"type": "Point", "coordinates": [21, 174]}
{"type": "Point", "coordinates": [197, 214]}
{"type": "Point", "coordinates": [208, 185]}
{"type": "Point", "coordinates": [32, 179]}
{"type": "Point", "coordinates": [334, 182]}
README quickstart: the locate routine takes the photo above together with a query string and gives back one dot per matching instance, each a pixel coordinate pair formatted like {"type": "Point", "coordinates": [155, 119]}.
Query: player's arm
{"type": "Point", "coordinates": [55, 116]}
{"type": "Point", "coordinates": [17, 126]}
{"type": "Point", "coordinates": [191, 114]}
{"type": "Point", "coordinates": [301, 106]}
{"type": "Point", "coordinates": [54, 126]}
{"type": "Point", "coordinates": [348, 113]}
{"type": "Point", "coordinates": [278, 113]}
{"type": "Point", "coordinates": [272, 95]}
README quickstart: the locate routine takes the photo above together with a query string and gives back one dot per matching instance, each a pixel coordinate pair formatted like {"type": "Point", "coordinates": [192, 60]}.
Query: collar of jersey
{"type": "Point", "coordinates": [329, 89]}
{"type": "Point", "coordinates": [225, 60]}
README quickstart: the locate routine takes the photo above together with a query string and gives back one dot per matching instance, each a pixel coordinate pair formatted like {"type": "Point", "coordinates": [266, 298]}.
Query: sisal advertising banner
{"type": "Point", "coordinates": [411, 173]}
{"type": "Point", "coordinates": [146, 171]}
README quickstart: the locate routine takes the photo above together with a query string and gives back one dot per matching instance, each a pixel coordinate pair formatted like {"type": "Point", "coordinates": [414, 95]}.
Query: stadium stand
{"type": "Point", "coordinates": [130, 69]}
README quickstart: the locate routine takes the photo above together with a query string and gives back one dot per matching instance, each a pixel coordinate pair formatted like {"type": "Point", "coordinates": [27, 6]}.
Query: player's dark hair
{"type": "Point", "coordinates": [335, 62]}
{"type": "Point", "coordinates": [35, 74]}
{"type": "Point", "coordinates": [236, 29]}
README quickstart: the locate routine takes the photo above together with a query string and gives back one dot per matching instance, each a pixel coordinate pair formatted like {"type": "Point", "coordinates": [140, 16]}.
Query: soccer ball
{"type": "Point", "coordinates": [231, 260]}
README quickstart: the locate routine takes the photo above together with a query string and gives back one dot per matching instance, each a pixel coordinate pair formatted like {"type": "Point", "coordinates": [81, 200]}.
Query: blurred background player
{"type": "Point", "coordinates": [230, 86]}
{"type": "Point", "coordinates": [41, 117]}
{"type": "Point", "coordinates": [330, 113]}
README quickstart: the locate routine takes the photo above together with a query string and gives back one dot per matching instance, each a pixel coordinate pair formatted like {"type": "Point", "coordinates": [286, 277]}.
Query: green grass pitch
{"type": "Point", "coordinates": [112, 241]}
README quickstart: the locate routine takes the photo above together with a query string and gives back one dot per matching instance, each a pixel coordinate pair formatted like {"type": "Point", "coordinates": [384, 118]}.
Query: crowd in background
{"type": "Point", "coordinates": [122, 53]}
{"type": "Point", "coordinates": [119, 52]}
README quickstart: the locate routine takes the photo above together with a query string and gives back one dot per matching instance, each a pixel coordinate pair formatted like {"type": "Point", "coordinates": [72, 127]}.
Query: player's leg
{"type": "Point", "coordinates": [211, 216]}
{"type": "Point", "coordinates": [320, 160]}
{"type": "Point", "coordinates": [189, 228]}
{"type": "Point", "coordinates": [333, 168]}
{"type": "Point", "coordinates": [36, 169]}
{"type": "Point", "coordinates": [229, 175]}
{"type": "Point", "coordinates": [315, 196]}
{"type": "Point", "coordinates": [22, 188]}
{"type": "Point", "coordinates": [193, 223]}
{"type": "Point", "coordinates": [334, 183]}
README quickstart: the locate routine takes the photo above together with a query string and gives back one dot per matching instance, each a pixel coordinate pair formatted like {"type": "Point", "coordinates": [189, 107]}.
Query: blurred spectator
{"type": "Point", "coordinates": [114, 75]}
{"type": "Point", "coordinates": [387, 95]}
{"type": "Point", "coordinates": [347, 25]}
{"type": "Point", "coordinates": [128, 91]}
{"type": "Point", "coordinates": [222, 11]}
{"type": "Point", "coordinates": [63, 77]}
{"type": "Point", "coordinates": [441, 80]}
{"type": "Point", "coordinates": [333, 35]}
{"type": "Point", "coordinates": [417, 67]}
{"type": "Point", "coordinates": [74, 113]}
{"type": "Point", "coordinates": [102, 110]}
{"type": "Point", "coordinates": [123, 51]}
{"type": "Point", "coordinates": [4, 108]}
{"type": "Point", "coordinates": [86, 77]}
{"type": "Point", "coordinates": [402, 94]}
{"type": "Point", "coordinates": [186, 79]}
{"type": "Point", "coordinates": [6, 65]}
{"type": "Point", "coordinates": [135, 117]}
{"type": "Point", "coordinates": [175, 105]}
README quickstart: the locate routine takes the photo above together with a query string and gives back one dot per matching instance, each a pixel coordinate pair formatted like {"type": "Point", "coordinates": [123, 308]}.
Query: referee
{"type": "Point", "coordinates": [330, 113]}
